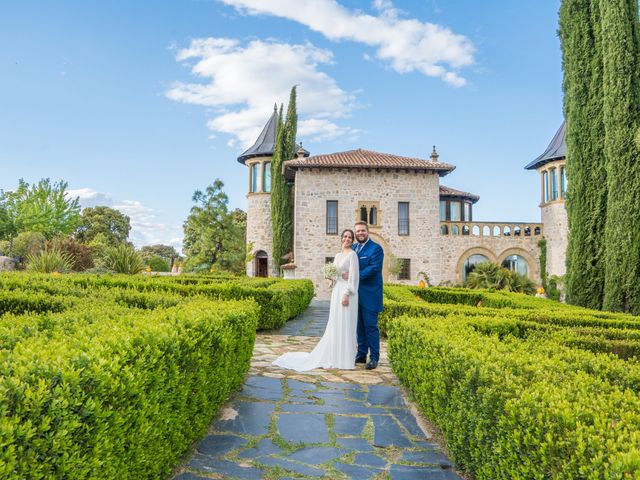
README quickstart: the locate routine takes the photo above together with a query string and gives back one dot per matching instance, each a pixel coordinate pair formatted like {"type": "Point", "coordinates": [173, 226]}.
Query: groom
{"type": "Point", "coordinates": [370, 256]}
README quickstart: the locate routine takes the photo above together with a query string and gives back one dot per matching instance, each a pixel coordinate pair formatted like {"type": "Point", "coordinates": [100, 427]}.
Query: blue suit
{"type": "Point", "coordinates": [370, 259]}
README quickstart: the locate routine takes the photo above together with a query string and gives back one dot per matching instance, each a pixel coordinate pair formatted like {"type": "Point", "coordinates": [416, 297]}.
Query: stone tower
{"type": "Point", "coordinates": [551, 165]}
{"type": "Point", "coordinates": [258, 160]}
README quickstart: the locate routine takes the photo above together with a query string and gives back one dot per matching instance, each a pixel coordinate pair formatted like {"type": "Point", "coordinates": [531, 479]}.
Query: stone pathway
{"type": "Point", "coordinates": [336, 424]}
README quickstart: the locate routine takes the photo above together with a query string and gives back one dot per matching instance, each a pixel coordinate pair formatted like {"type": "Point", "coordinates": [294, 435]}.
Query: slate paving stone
{"type": "Point", "coordinates": [429, 456]}
{"type": "Point", "coordinates": [264, 447]}
{"type": "Point", "coordinates": [408, 421]}
{"type": "Point", "coordinates": [349, 425]}
{"type": "Point", "coordinates": [223, 467]}
{"type": "Point", "coordinates": [387, 432]}
{"type": "Point", "coordinates": [347, 408]}
{"type": "Point", "coordinates": [405, 472]}
{"type": "Point", "coordinates": [253, 419]}
{"type": "Point", "coordinates": [262, 388]}
{"type": "Point", "coordinates": [342, 386]}
{"type": "Point", "coordinates": [292, 466]}
{"type": "Point", "coordinates": [331, 397]}
{"type": "Point", "coordinates": [303, 399]}
{"type": "Point", "coordinates": [355, 444]}
{"type": "Point", "coordinates": [356, 395]}
{"type": "Point", "coordinates": [218, 445]}
{"type": "Point", "coordinates": [356, 472]}
{"type": "Point", "coordinates": [303, 428]}
{"type": "Point", "coordinates": [311, 323]}
{"type": "Point", "coordinates": [385, 396]}
{"type": "Point", "coordinates": [297, 387]}
{"type": "Point", "coordinates": [316, 455]}
{"type": "Point", "coordinates": [370, 460]}
{"type": "Point", "coordinates": [189, 476]}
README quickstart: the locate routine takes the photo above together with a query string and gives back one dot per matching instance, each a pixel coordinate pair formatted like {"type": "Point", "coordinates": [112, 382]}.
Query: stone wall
{"type": "Point", "coordinates": [455, 249]}
{"type": "Point", "coordinates": [556, 228]}
{"type": "Point", "coordinates": [314, 187]}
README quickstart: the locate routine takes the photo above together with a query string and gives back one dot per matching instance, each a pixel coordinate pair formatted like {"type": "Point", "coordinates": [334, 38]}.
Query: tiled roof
{"type": "Point", "coordinates": [556, 150]}
{"type": "Point", "coordinates": [367, 159]}
{"type": "Point", "coordinates": [452, 192]}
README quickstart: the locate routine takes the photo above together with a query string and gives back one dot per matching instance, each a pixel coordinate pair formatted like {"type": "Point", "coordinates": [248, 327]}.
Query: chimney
{"type": "Point", "coordinates": [434, 155]}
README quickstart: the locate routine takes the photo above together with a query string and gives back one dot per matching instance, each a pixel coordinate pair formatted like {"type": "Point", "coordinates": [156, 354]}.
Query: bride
{"type": "Point", "coordinates": [337, 347]}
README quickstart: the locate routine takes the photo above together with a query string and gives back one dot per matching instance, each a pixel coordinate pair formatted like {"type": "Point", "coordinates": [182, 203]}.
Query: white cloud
{"type": "Point", "coordinates": [146, 229]}
{"type": "Point", "coordinates": [407, 44]}
{"type": "Point", "coordinates": [242, 82]}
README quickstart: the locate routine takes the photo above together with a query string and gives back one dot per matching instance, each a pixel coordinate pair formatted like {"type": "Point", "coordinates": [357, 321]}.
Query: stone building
{"type": "Point", "coordinates": [428, 227]}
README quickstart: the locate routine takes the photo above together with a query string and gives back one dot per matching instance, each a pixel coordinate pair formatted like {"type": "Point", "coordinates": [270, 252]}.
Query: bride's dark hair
{"type": "Point", "coordinates": [353, 235]}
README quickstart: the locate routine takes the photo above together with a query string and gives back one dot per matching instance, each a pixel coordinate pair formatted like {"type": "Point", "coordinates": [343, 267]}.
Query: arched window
{"type": "Point", "coordinates": [373, 216]}
{"type": "Point", "coordinates": [465, 230]}
{"type": "Point", "coordinates": [363, 214]}
{"type": "Point", "coordinates": [455, 230]}
{"type": "Point", "coordinates": [471, 262]}
{"type": "Point", "coordinates": [516, 263]}
{"type": "Point", "coordinates": [476, 230]}
{"type": "Point", "coordinates": [255, 176]}
{"type": "Point", "coordinates": [554, 184]}
{"type": "Point", "coordinates": [444, 230]}
{"type": "Point", "coordinates": [545, 186]}
{"type": "Point", "coordinates": [266, 177]}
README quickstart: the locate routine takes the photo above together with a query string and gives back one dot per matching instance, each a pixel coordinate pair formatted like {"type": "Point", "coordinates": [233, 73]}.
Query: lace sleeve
{"type": "Point", "coordinates": [354, 274]}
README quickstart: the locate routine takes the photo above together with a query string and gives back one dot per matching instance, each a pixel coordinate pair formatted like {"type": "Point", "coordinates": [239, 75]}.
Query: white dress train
{"type": "Point", "coordinates": [338, 346]}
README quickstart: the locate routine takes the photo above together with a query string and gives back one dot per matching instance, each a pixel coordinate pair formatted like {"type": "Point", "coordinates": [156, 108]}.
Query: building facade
{"type": "Point", "coordinates": [424, 227]}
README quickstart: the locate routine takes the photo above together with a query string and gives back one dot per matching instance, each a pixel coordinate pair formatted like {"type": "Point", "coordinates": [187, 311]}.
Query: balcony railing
{"type": "Point", "coordinates": [491, 229]}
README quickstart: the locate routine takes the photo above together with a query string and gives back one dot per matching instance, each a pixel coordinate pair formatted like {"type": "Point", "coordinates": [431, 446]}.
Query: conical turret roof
{"type": "Point", "coordinates": [265, 142]}
{"type": "Point", "coordinates": [556, 150]}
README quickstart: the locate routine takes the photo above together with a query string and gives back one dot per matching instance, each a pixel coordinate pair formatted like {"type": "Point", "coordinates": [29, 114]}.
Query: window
{"type": "Point", "coordinates": [328, 259]}
{"type": "Point", "coordinates": [471, 262]}
{"type": "Point", "coordinates": [444, 230]}
{"type": "Point", "coordinates": [266, 177]}
{"type": "Point", "coordinates": [455, 211]}
{"type": "Point", "coordinates": [467, 212]}
{"type": "Point", "coordinates": [363, 214]}
{"type": "Point", "coordinates": [545, 186]}
{"type": "Point", "coordinates": [405, 269]}
{"type": "Point", "coordinates": [554, 184]}
{"type": "Point", "coordinates": [369, 211]}
{"type": "Point", "coordinates": [443, 211]}
{"type": "Point", "coordinates": [563, 181]}
{"type": "Point", "coordinates": [255, 175]}
{"type": "Point", "coordinates": [516, 263]}
{"type": "Point", "coordinates": [373, 216]}
{"type": "Point", "coordinates": [332, 217]}
{"type": "Point", "coordinates": [403, 218]}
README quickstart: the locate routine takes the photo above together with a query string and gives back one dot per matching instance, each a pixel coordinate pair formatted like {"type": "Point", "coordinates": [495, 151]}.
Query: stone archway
{"type": "Point", "coordinates": [387, 252]}
{"type": "Point", "coordinates": [492, 257]}
{"type": "Point", "coordinates": [532, 263]}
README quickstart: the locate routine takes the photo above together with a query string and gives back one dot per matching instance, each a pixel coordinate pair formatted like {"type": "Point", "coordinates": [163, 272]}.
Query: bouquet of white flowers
{"type": "Point", "coordinates": [330, 272]}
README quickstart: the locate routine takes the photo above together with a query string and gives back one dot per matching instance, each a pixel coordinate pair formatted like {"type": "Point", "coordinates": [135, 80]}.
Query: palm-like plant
{"type": "Point", "coordinates": [122, 259]}
{"type": "Point", "coordinates": [49, 260]}
{"type": "Point", "coordinates": [491, 275]}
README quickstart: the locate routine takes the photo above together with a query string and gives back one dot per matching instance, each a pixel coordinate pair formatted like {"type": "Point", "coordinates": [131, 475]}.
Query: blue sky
{"type": "Point", "coordinates": [138, 104]}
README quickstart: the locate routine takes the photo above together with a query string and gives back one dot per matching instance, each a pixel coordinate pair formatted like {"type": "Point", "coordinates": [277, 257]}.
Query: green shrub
{"type": "Point", "coordinates": [107, 392]}
{"type": "Point", "coordinates": [49, 260]}
{"type": "Point", "coordinates": [157, 264]}
{"type": "Point", "coordinates": [82, 254]}
{"type": "Point", "coordinates": [121, 259]}
{"type": "Point", "coordinates": [493, 276]}
{"type": "Point", "coordinates": [28, 243]}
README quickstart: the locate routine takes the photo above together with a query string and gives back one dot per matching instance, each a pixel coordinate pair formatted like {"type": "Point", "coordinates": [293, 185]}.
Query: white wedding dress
{"type": "Point", "coordinates": [338, 346]}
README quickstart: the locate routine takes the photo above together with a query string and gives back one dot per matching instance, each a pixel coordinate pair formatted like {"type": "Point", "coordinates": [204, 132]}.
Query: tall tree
{"type": "Point", "coordinates": [44, 208]}
{"type": "Point", "coordinates": [211, 235]}
{"type": "Point", "coordinates": [281, 191]}
{"type": "Point", "coordinates": [621, 60]}
{"type": "Point", "coordinates": [111, 224]}
{"type": "Point", "coordinates": [587, 190]}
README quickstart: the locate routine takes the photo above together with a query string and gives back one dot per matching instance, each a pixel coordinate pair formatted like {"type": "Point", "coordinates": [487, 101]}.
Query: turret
{"type": "Point", "coordinates": [551, 165]}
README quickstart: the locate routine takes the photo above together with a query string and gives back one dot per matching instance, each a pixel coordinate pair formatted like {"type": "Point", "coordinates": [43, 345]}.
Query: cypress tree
{"type": "Point", "coordinates": [281, 191]}
{"type": "Point", "coordinates": [587, 190]}
{"type": "Point", "coordinates": [621, 87]}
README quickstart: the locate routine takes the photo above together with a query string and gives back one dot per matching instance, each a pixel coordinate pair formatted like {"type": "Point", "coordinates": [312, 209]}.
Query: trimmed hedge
{"type": "Point", "coordinates": [517, 409]}
{"type": "Point", "coordinates": [110, 392]}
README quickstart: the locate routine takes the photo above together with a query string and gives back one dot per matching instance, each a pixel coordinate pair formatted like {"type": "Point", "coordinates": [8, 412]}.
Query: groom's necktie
{"type": "Point", "coordinates": [358, 248]}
